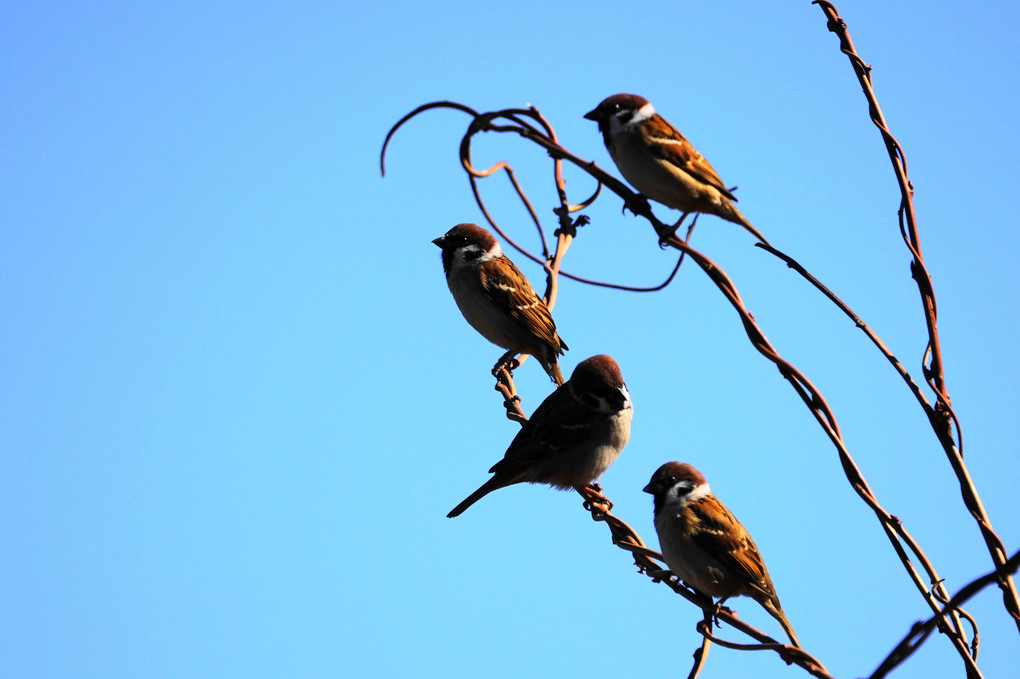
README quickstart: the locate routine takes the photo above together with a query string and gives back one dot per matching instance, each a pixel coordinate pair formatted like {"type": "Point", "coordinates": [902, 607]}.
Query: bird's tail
{"type": "Point", "coordinates": [554, 372]}
{"type": "Point", "coordinates": [492, 484]}
{"type": "Point", "coordinates": [776, 611]}
{"type": "Point", "coordinates": [737, 218]}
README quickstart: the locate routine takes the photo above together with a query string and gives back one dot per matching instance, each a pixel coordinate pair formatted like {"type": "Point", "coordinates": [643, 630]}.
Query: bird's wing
{"type": "Point", "coordinates": [559, 424]}
{"type": "Point", "coordinates": [674, 148]}
{"type": "Point", "coordinates": [726, 540]}
{"type": "Point", "coordinates": [511, 291]}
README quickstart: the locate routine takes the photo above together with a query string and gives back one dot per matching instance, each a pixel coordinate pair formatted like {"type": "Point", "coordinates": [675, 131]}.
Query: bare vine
{"type": "Point", "coordinates": [922, 630]}
{"type": "Point", "coordinates": [942, 417]}
{"type": "Point", "coordinates": [948, 617]}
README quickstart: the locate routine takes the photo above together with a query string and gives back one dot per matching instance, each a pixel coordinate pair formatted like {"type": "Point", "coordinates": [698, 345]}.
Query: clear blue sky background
{"type": "Point", "coordinates": [237, 400]}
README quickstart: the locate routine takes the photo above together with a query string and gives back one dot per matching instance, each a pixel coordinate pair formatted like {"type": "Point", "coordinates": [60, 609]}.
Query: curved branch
{"type": "Point", "coordinates": [421, 109]}
{"type": "Point", "coordinates": [903, 544]}
{"type": "Point", "coordinates": [484, 122]}
{"type": "Point", "coordinates": [897, 534]}
{"type": "Point", "coordinates": [942, 417]}
{"type": "Point", "coordinates": [922, 630]}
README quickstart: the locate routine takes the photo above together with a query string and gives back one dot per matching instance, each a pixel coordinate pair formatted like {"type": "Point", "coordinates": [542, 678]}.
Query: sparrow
{"type": "Point", "coordinates": [660, 163]}
{"type": "Point", "coordinates": [496, 298]}
{"type": "Point", "coordinates": [703, 543]}
{"type": "Point", "coordinates": [571, 438]}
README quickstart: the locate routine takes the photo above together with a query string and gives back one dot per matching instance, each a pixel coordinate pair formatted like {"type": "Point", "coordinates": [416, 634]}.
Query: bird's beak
{"type": "Point", "coordinates": [648, 489]}
{"type": "Point", "coordinates": [592, 115]}
{"type": "Point", "coordinates": [439, 241]}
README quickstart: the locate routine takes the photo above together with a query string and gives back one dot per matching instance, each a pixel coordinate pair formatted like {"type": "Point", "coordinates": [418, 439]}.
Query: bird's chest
{"type": "Point", "coordinates": [479, 309]}
{"type": "Point", "coordinates": [651, 175]}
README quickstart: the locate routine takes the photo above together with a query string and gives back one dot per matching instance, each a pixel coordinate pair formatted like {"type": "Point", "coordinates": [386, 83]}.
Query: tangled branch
{"type": "Point", "coordinates": [947, 615]}
{"type": "Point", "coordinates": [512, 121]}
{"type": "Point", "coordinates": [941, 416]}
{"type": "Point", "coordinates": [517, 119]}
{"type": "Point", "coordinates": [922, 630]}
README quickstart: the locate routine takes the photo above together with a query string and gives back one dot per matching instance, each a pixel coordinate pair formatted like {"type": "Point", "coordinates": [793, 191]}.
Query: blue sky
{"type": "Point", "coordinates": [238, 400]}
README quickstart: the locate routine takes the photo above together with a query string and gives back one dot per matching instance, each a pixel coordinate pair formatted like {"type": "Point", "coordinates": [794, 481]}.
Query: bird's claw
{"type": "Point", "coordinates": [592, 494]}
{"type": "Point", "coordinates": [509, 364]}
{"type": "Point", "coordinates": [637, 205]}
{"type": "Point", "coordinates": [671, 231]}
{"type": "Point", "coordinates": [719, 608]}
{"type": "Point", "coordinates": [664, 239]}
{"type": "Point", "coordinates": [661, 575]}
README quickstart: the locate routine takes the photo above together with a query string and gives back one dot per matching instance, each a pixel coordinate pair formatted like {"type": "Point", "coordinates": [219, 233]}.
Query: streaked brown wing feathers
{"type": "Point", "coordinates": [558, 424]}
{"type": "Point", "coordinates": [510, 290]}
{"type": "Point", "coordinates": [674, 148]}
{"type": "Point", "coordinates": [729, 543]}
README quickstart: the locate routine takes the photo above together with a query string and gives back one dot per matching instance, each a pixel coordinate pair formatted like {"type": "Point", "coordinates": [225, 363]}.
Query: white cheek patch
{"type": "Point", "coordinates": [700, 492]}
{"type": "Point", "coordinates": [643, 114]}
{"type": "Point", "coordinates": [617, 125]}
{"type": "Point", "coordinates": [473, 254]}
{"type": "Point", "coordinates": [682, 492]}
{"type": "Point", "coordinates": [626, 397]}
{"type": "Point", "coordinates": [461, 256]}
{"type": "Point", "coordinates": [491, 254]}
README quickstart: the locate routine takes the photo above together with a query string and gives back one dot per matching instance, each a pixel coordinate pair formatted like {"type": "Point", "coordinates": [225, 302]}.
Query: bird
{"type": "Point", "coordinates": [660, 163]}
{"type": "Point", "coordinates": [703, 543]}
{"type": "Point", "coordinates": [497, 300]}
{"type": "Point", "coordinates": [572, 437]}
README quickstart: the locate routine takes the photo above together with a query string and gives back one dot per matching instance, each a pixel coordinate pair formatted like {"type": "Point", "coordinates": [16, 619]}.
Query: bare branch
{"type": "Point", "coordinates": [897, 534]}
{"type": "Point", "coordinates": [922, 630]}
{"type": "Point", "coordinates": [701, 654]}
{"type": "Point", "coordinates": [484, 123]}
{"type": "Point", "coordinates": [942, 417]}
{"type": "Point", "coordinates": [520, 121]}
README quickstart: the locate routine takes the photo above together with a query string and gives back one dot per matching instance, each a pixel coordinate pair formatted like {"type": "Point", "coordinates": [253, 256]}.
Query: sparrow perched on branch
{"type": "Point", "coordinates": [571, 438]}
{"type": "Point", "coordinates": [703, 543]}
{"type": "Point", "coordinates": [496, 298]}
{"type": "Point", "coordinates": [660, 163]}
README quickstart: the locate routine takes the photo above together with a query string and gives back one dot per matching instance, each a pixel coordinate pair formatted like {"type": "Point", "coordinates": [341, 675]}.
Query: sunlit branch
{"type": "Point", "coordinates": [922, 630]}
{"type": "Point", "coordinates": [942, 417]}
{"type": "Point", "coordinates": [520, 122]}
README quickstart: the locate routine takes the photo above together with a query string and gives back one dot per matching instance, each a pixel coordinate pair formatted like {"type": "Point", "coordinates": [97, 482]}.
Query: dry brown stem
{"type": "Point", "coordinates": [942, 417]}
{"type": "Point", "coordinates": [487, 123]}
{"type": "Point", "coordinates": [922, 630]}
{"type": "Point", "coordinates": [701, 654]}
{"type": "Point", "coordinates": [531, 125]}
{"type": "Point", "coordinates": [903, 544]}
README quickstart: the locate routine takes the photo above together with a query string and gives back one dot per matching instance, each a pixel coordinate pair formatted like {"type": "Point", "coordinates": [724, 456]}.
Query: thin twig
{"type": "Point", "coordinates": [903, 544]}
{"type": "Point", "coordinates": [921, 630]}
{"type": "Point", "coordinates": [897, 534]}
{"type": "Point", "coordinates": [701, 653]}
{"type": "Point", "coordinates": [875, 339]}
{"type": "Point", "coordinates": [942, 417]}
{"type": "Point", "coordinates": [484, 123]}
